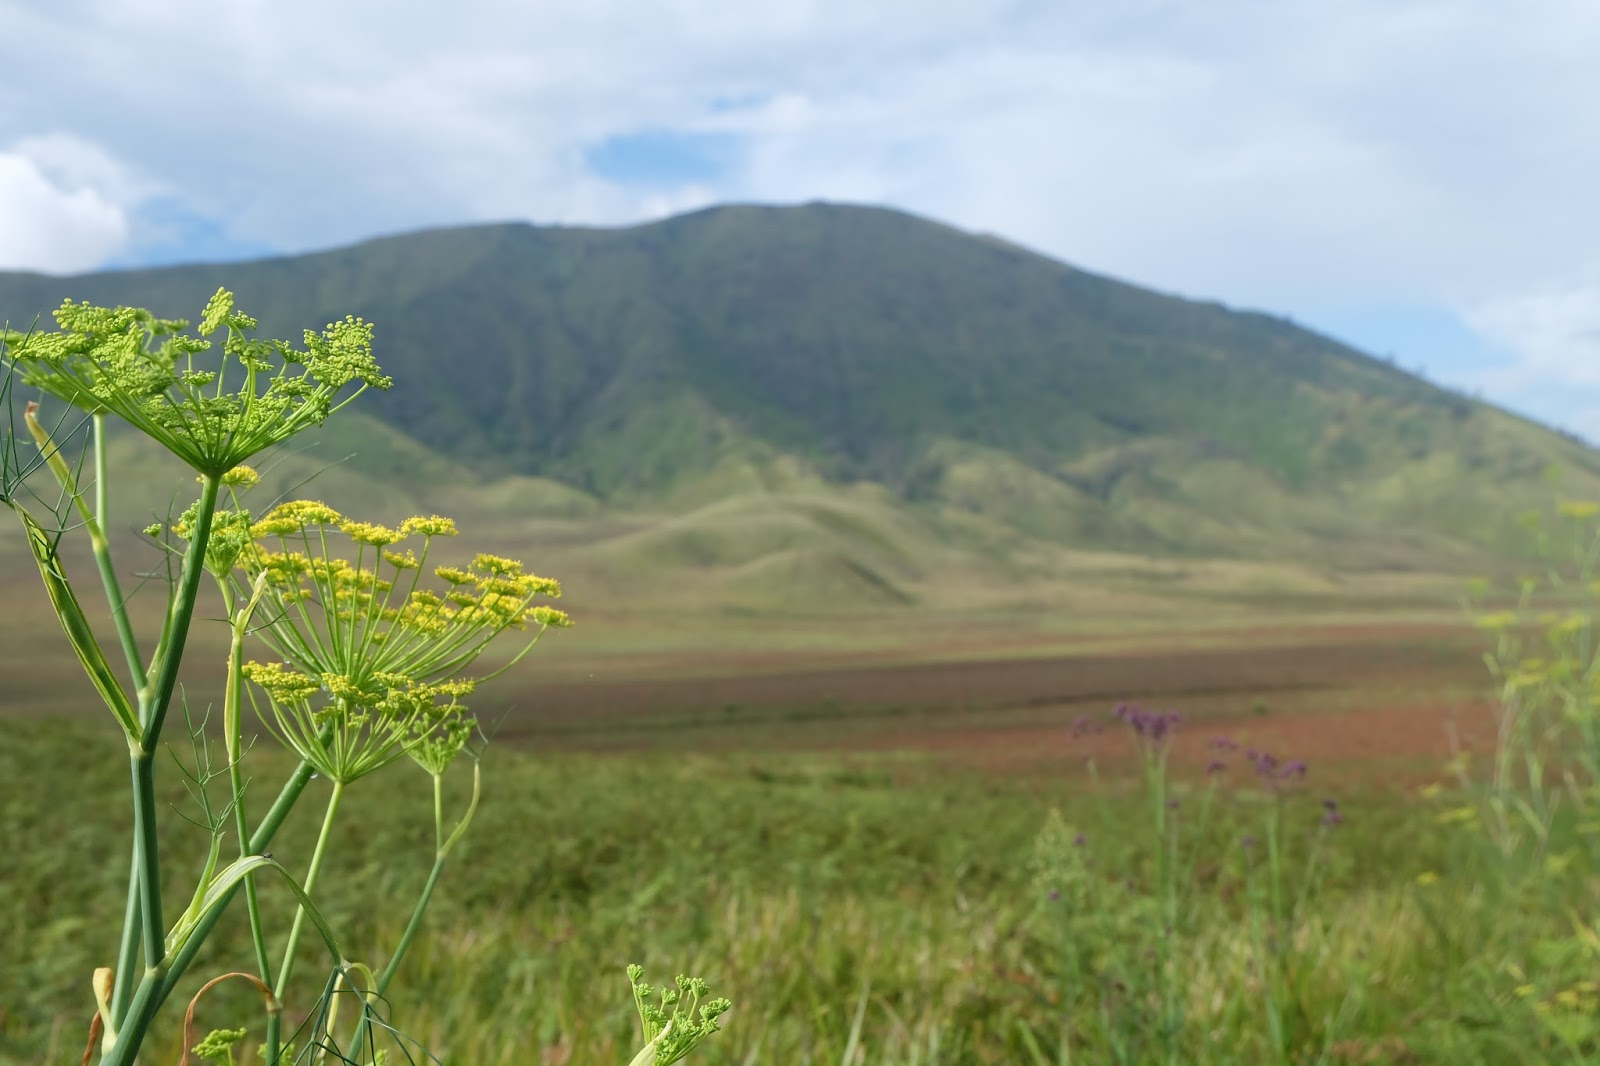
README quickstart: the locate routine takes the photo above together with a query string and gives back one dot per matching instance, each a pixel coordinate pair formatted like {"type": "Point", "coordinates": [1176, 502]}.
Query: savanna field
{"type": "Point", "coordinates": [930, 711]}
{"type": "Point", "coordinates": [883, 870]}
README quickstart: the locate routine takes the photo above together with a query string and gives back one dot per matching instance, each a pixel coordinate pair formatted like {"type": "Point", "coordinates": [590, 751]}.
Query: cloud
{"type": "Point", "coordinates": [1554, 331]}
{"type": "Point", "coordinates": [49, 220]}
{"type": "Point", "coordinates": [1292, 155]}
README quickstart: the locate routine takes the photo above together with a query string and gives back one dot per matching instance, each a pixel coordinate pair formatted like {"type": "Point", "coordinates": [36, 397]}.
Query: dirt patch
{"type": "Point", "coordinates": [1013, 704]}
{"type": "Point", "coordinates": [1401, 742]}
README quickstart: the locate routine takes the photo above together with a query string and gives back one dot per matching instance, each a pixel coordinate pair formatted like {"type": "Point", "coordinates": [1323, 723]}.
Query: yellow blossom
{"type": "Point", "coordinates": [430, 526]}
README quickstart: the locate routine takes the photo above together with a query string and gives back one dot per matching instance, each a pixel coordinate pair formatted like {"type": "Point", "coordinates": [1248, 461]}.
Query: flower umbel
{"type": "Point", "coordinates": [348, 599]}
{"type": "Point", "coordinates": [677, 1021]}
{"type": "Point", "coordinates": [127, 362]}
{"type": "Point", "coordinates": [348, 730]}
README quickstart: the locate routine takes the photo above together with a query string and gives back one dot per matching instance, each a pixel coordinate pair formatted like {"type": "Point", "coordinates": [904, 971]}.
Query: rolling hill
{"type": "Point", "coordinates": [833, 405]}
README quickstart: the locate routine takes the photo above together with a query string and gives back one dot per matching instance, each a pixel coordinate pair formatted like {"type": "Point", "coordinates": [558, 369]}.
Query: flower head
{"type": "Point", "coordinates": [675, 1018]}
{"type": "Point", "coordinates": [1154, 729]}
{"type": "Point", "coordinates": [127, 362]}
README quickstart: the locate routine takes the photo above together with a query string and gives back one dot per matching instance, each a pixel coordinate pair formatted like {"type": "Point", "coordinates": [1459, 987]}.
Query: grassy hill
{"type": "Point", "coordinates": [838, 405]}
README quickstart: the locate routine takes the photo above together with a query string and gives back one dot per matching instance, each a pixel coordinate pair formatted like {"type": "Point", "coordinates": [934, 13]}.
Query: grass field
{"type": "Point", "coordinates": [848, 843]}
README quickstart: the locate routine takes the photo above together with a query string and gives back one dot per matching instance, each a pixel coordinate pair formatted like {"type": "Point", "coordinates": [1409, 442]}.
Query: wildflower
{"type": "Point", "coordinates": [1292, 771]}
{"type": "Point", "coordinates": [370, 533]}
{"type": "Point", "coordinates": [679, 1023]}
{"type": "Point", "coordinates": [1216, 766]}
{"type": "Point", "coordinates": [549, 616]}
{"type": "Point", "coordinates": [241, 477]}
{"type": "Point", "coordinates": [348, 729]}
{"type": "Point", "coordinates": [377, 616]}
{"type": "Point", "coordinates": [1084, 725]}
{"type": "Point", "coordinates": [431, 526]}
{"type": "Point", "coordinates": [1331, 815]}
{"type": "Point", "coordinates": [127, 362]}
{"type": "Point", "coordinates": [1152, 727]}
{"type": "Point", "coordinates": [218, 1044]}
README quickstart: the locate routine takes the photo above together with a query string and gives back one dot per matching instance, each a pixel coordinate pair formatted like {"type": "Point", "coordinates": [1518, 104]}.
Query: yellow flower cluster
{"type": "Point", "coordinates": [296, 516]}
{"type": "Point", "coordinates": [375, 614]}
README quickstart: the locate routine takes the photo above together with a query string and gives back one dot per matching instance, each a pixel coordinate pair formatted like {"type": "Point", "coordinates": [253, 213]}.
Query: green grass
{"type": "Point", "coordinates": [871, 910]}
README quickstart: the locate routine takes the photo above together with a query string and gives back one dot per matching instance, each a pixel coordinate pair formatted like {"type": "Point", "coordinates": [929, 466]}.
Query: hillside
{"type": "Point", "coordinates": [853, 399]}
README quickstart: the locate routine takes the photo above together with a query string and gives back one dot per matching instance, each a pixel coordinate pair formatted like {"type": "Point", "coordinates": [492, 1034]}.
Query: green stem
{"type": "Point", "coordinates": [152, 711]}
{"type": "Point", "coordinates": [146, 999]}
{"type": "Point", "coordinates": [382, 984]}
{"type": "Point", "coordinates": [443, 844]}
{"type": "Point", "coordinates": [385, 978]}
{"type": "Point", "coordinates": [128, 953]}
{"type": "Point", "coordinates": [146, 857]}
{"type": "Point", "coordinates": [154, 703]}
{"type": "Point", "coordinates": [157, 984]}
{"type": "Point", "coordinates": [286, 969]}
{"type": "Point", "coordinates": [287, 797]}
{"type": "Point", "coordinates": [102, 558]}
{"type": "Point", "coordinates": [231, 730]}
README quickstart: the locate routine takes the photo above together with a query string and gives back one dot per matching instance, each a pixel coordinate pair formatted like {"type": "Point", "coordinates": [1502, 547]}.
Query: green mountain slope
{"type": "Point", "coordinates": [852, 398]}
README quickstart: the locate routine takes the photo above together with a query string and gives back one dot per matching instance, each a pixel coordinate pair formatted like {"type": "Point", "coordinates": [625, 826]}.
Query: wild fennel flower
{"type": "Point", "coordinates": [348, 730]}
{"type": "Point", "coordinates": [347, 599]}
{"type": "Point", "coordinates": [217, 1046]}
{"type": "Point", "coordinates": [679, 1023]}
{"type": "Point", "coordinates": [127, 362]}
{"type": "Point", "coordinates": [371, 659]}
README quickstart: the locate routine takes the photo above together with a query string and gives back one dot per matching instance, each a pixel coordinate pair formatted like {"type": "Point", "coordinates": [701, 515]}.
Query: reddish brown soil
{"type": "Point", "coordinates": [1389, 694]}
{"type": "Point", "coordinates": [1411, 738]}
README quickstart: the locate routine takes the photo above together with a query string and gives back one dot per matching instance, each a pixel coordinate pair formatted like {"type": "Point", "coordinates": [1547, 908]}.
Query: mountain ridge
{"type": "Point", "coordinates": [1003, 400]}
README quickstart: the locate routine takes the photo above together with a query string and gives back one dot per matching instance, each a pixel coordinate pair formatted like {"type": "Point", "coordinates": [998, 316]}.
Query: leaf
{"type": "Point", "coordinates": [77, 626]}
{"type": "Point", "coordinates": [221, 890]}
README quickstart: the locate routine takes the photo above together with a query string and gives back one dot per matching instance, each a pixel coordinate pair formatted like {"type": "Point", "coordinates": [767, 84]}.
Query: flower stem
{"type": "Point", "coordinates": [128, 953]}
{"type": "Point", "coordinates": [153, 705]}
{"type": "Point", "coordinates": [102, 558]}
{"type": "Point", "coordinates": [286, 968]}
{"type": "Point", "coordinates": [443, 844]}
{"type": "Point", "coordinates": [146, 856]}
{"type": "Point", "coordinates": [231, 732]}
{"type": "Point", "coordinates": [157, 984]}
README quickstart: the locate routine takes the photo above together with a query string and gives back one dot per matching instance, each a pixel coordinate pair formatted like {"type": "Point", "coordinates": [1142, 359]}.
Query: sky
{"type": "Point", "coordinates": [1417, 178]}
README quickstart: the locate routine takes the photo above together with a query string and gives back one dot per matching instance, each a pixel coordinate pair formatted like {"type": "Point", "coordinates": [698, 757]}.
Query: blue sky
{"type": "Point", "coordinates": [1413, 176]}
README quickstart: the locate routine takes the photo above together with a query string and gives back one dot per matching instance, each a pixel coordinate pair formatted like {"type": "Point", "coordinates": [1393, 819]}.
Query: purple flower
{"type": "Point", "coordinates": [1331, 815]}
{"type": "Point", "coordinates": [1079, 841]}
{"type": "Point", "coordinates": [1216, 766]}
{"type": "Point", "coordinates": [1224, 744]}
{"type": "Point", "coordinates": [1084, 725]}
{"type": "Point", "coordinates": [1153, 728]}
{"type": "Point", "coordinates": [1055, 894]}
{"type": "Point", "coordinates": [1248, 843]}
{"type": "Point", "coordinates": [1275, 773]}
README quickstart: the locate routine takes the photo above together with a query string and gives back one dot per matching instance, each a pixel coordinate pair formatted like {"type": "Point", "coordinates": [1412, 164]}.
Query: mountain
{"type": "Point", "coordinates": [829, 396]}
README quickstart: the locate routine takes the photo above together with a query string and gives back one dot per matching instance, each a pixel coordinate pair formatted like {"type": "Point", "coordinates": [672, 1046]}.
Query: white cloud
{"type": "Point", "coordinates": [1553, 330]}
{"type": "Point", "coordinates": [1287, 154]}
{"type": "Point", "coordinates": [50, 224]}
